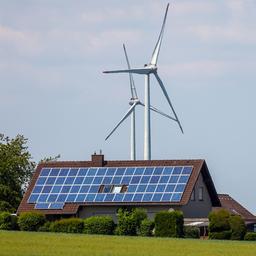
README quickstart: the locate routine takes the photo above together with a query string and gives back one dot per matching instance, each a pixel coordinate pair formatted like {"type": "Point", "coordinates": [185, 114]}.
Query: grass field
{"type": "Point", "coordinates": [29, 243]}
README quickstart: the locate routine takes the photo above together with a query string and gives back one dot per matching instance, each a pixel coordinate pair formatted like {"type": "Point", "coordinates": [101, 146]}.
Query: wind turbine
{"type": "Point", "coordinates": [147, 70]}
{"type": "Point", "coordinates": [134, 101]}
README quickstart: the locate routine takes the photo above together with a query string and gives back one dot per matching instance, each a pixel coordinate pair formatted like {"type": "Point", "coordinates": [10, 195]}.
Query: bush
{"type": "Point", "coordinates": [31, 221]}
{"type": "Point", "coordinates": [8, 221]}
{"type": "Point", "coordinates": [230, 226]}
{"type": "Point", "coordinates": [139, 214]}
{"type": "Point", "coordinates": [191, 232]}
{"type": "Point", "coordinates": [224, 235]}
{"type": "Point", "coordinates": [70, 225]}
{"type": "Point", "coordinates": [238, 228]}
{"type": "Point", "coordinates": [146, 227]}
{"type": "Point", "coordinates": [250, 236]}
{"type": "Point", "coordinates": [219, 221]}
{"type": "Point", "coordinates": [127, 224]}
{"type": "Point", "coordinates": [46, 227]}
{"type": "Point", "coordinates": [99, 225]}
{"type": "Point", "coordinates": [169, 224]}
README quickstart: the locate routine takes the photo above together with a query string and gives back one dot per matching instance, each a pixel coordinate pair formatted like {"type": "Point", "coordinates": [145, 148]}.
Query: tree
{"type": "Point", "coordinates": [16, 168]}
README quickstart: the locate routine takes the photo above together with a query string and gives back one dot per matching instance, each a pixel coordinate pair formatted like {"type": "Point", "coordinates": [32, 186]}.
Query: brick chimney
{"type": "Point", "coordinates": [98, 160]}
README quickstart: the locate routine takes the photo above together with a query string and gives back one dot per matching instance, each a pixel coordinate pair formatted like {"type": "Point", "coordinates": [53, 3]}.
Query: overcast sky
{"type": "Point", "coordinates": [52, 90]}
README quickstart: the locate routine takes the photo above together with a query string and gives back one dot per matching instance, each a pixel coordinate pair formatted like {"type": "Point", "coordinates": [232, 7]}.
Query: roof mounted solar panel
{"type": "Point", "coordinates": [42, 206]}
{"type": "Point", "coordinates": [56, 206]}
{"type": "Point", "coordinates": [57, 186]}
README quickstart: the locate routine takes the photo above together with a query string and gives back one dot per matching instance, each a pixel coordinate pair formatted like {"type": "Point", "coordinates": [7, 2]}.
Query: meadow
{"type": "Point", "coordinates": [36, 243]}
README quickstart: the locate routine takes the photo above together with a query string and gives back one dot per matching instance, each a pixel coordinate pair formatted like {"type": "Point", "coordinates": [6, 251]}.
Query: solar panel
{"type": "Point", "coordinates": [55, 187]}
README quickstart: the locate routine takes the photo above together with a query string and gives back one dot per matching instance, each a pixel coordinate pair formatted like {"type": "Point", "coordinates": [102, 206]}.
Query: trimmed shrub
{"type": "Point", "coordinates": [127, 224]}
{"type": "Point", "coordinates": [146, 227]}
{"type": "Point", "coordinates": [8, 221]}
{"type": "Point", "coordinates": [31, 221]}
{"type": "Point", "coordinates": [224, 235]}
{"type": "Point", "coordinates": [219, 221]}
{"type": "Point", "coordinates": [250, 236]}
{"type": "Point", "coordinates": [70, 225]}
{"type": "Point", "coordinates": [169, 224]}
{"type": "Point", "coordinates": [191, 232]}
{"type": "Point", "coordinates": [238, 228]}
{"type": "Point", "coordinates": [46, 227]}
{"type": "Point", "coordinates": [103, 225]}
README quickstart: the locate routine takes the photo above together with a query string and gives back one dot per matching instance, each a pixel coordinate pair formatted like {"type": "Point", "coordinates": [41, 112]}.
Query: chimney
{"type": "Point", "coordinates": [98, 160]}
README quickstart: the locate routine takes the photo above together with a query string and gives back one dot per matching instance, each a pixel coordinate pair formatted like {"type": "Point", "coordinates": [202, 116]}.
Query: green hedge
{"type": "Point", "coordinates": [70, 225]}
{"type": "Point", "coordinates": [191, 232]}
{"type": "Point", "coordinates": [250, 236]}
{"type": "Point", "coordinates": [126, 223]}
{"type": "Point", "coordinates": [219, 221]}
{"type": "Point", "coordinates": [238, 227]}
{"type": "Point", "coordinates": [31, 221]}
{"type": "Point", "coordinates": [146, 227]}
{"type": "Point", "coordinates": [169, 224]}
{"type": "Point", "coordinates": [229, 226]}
{"type": "Point", "coordinates": [8, 221]}
{"type": "Point", "coordinates": [224, 235]}
{"type": "Point", "coordinates": [129, 221]}
{"type": "Point", "coordinates": [46, 227]}
{"type": "Point", "coordinates": [99, 225]}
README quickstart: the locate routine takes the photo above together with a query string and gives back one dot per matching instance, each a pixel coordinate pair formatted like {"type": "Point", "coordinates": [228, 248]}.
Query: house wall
{"type": "Point", "coordinates": [197, 208]}
{"type": "Point", "coordinates": [88, 211]}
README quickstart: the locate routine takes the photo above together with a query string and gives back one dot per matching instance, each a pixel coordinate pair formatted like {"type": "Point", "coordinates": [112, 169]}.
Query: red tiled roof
{"type": "Point", "coordinates": [199, 166]}
{"type": "Point", "coordinates": [234, 207]}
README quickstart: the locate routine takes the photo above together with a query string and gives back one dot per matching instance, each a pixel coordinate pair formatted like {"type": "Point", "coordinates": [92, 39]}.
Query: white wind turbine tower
{"type": "Point", "coordinates": [134, 101]}
{"type": "Point", "coordinates": [148, 69]}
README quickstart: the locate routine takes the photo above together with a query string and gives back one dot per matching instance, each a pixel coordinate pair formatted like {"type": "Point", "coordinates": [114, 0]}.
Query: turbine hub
{"type": "Point", "coordinates": [133, 100]}
{"type": "Point", "coordinates": [151, 67]}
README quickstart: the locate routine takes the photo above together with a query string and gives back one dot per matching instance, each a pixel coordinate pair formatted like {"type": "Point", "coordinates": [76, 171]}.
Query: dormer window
{"type": "Point", "coordinates": [113, 189]}
{"type": "Point", "coordinates": [116, 189]}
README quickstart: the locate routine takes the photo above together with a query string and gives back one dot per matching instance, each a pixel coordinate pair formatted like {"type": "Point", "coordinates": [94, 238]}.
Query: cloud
{"type": "Point", "coordinates": [24, 43]}
{"type": "Point", "coordinates": [190, 8]}
{"type": "Point", "coordinates": [231, 33]}
{"type": "Point", "coordinates": [107, 14]}
{"type": "Point", "coordinates": [234, 27]}
{"type": "Point", "coordinates": [208, 68]}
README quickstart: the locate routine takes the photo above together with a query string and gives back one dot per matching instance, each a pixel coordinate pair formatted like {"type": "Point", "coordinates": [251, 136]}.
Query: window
{"type": "Point", "coordinates": [200, 194]}
{"type": "Point", "coordinates": [124, 188]}
{"type": "Point", "coordinates": [107, 189]}
{"type": "Point", "coordinates": [112, 189]}
{"type": "Point", "coordinates": [116, 189]}
{"type": "Point", "coordinates": [192, 198]}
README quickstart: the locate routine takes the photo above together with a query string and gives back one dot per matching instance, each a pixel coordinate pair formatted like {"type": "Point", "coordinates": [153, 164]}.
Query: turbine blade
{"type": "Point", "coordinates": [132, 85]}
{"type": "Point", "coordinates": [159, 111]}
{"type": "Point", "coordinates": [168, 99]}
{"type": "Point", "coordinates": [159, 41]}
{"type": "Point", "coordinates": [142, 71]}
{"type": "Point", "coordinates": [123, 118]}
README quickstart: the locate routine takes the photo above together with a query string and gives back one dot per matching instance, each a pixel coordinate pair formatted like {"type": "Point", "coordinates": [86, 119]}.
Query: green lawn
{"type": "Point", "coordinates": [29, 243]}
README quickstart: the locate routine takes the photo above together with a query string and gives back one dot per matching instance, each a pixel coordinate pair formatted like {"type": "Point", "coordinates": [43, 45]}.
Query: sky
{"type": "Point", "coordinates": [53, 91]}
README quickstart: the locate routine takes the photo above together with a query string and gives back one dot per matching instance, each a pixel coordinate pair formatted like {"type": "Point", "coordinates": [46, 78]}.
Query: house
{"type": "Point", "coordinates": [100, 187]}
{"type": "Point", "coordinates": [230, 204]}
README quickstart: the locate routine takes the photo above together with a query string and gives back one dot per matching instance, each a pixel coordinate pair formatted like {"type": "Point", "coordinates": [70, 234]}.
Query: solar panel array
{"type": "Point", "coordinates": [57, 186]}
